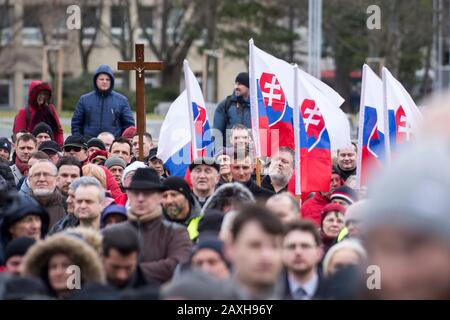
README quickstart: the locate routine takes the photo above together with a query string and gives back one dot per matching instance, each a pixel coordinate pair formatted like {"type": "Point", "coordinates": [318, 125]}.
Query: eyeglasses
{"type": "Point", "coordinates": [46, 175]}
{"type": "Point", "coordinates": [70, 148]}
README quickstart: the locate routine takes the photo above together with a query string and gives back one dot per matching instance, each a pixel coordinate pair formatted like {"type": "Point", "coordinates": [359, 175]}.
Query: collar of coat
{"type": "Point", "coordinates": [146, 217]}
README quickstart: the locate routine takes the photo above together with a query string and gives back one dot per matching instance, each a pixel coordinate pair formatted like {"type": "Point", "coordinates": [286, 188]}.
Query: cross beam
{"type": "Point", "coordinates": [140, 66]}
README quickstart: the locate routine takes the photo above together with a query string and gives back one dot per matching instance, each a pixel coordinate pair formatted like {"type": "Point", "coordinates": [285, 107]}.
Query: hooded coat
{"type": "Point", "coordinates": [38, 114]}
{"type": "Point", "coordinates": [99, 111]}
{"type": "Point", "coordinates": [36, 260]}
{"type": "Point", "coordinates": [6, 173]}
{"type": "Point", "coordinates": [20, 207]}
{"type": "Point", "coordinates": [227, 194]}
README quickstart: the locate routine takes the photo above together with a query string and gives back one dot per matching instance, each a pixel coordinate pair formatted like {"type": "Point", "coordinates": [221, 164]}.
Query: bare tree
{"type": "Point", "coordinates": [121, 19]}
{"type": "Point", "coordinates": [87, 34]}
{"type": "Point", "coordinates": [182, 22]}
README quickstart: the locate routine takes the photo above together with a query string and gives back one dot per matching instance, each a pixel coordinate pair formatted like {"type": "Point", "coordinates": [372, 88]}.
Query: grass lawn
{"type": "Point", "coordinates": [66, 115]}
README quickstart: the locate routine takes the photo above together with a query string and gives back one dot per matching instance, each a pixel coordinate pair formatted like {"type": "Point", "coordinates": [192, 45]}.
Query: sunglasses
{"type": "Point", "coordinates": [70, 148]}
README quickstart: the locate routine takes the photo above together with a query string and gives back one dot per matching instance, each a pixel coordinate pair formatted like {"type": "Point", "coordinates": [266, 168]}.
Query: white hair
{"type": "Point", "coordinates": [351, 244]}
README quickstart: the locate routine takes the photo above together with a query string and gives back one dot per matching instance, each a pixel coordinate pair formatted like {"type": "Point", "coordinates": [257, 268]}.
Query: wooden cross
{"type": "Point", "coordinates": [140, 66]}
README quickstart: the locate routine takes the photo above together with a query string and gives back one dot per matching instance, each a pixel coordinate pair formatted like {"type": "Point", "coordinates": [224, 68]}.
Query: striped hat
{"type": "Point", "coordinates": [346, 194]}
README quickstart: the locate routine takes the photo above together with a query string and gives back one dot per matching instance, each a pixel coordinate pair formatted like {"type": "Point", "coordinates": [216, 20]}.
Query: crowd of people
{"type": "Point", "coordinates": [133, 231]}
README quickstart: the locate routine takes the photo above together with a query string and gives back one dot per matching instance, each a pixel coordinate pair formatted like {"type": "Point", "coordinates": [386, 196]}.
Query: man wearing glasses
{"type": "Point", "coordinates": [76, 146]}
{"type": "Point", "coordinates": [301, 255]}
{"type": "Point", "coordinates": [42, 178]}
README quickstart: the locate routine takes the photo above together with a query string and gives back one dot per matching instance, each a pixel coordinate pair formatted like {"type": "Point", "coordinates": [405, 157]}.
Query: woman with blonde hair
{"type": "Point", "coordinates": [94, 170]}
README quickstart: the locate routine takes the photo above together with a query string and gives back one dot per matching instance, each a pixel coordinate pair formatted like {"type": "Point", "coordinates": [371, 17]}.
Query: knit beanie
{"type": "Point", "coordinates": [42, 127]}
{"type": "Point", "coordinates": [115, 161]}
{"type": "Point", "coordinates": [346, 194]}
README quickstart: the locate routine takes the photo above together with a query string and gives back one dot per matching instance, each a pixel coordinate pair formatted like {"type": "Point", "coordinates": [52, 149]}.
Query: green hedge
{"type": "Point", "coordinates": [75, 87]}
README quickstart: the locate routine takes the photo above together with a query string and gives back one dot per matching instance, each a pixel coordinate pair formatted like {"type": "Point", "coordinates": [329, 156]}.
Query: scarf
{"type": "Point", "coordinates": [146, 217]}
{"type": "Point", "coordinates": [22, 166]}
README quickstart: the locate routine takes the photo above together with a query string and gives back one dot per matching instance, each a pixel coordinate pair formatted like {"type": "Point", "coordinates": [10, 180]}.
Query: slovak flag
{"type": "Point", "coordinates": [185, 133]}
{"type": "Point", "coordinates": [275, 87]}
{"type": "Point", "coordinates": [323, 127]}
{"type": "Point", "coordinates": [403, 114]}
{"type": "Point", "coordinates": [371, 138]}
{"type": "Point", "coordinates": [271, 96]}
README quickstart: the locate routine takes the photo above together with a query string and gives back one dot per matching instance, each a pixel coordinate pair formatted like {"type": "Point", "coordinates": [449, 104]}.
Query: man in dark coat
{"type": "Point", "coordinates": [120, 257]}
{"type": "Point", "coordinates": [235, 109]}
{"type": "Point", "coordinates": [163, 244]}
{"type": "Point", "coordinates": [102, 109]}
{"type": "Point", "coordinates": [241, 170]}
{"type": "Point", "coordinates": [43, 188]}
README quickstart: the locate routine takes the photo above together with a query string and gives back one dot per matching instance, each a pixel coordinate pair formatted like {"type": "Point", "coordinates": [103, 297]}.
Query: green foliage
{"type": "Point", "coordinates": [260, 20]}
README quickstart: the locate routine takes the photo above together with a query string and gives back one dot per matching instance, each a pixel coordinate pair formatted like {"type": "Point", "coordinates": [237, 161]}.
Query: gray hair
{"type": "Point", "coordinates": [54, 169]}
{"type": "Point", "coordinates": [86, 182]}
{"type": "Point", "coordinates": [349, 244]}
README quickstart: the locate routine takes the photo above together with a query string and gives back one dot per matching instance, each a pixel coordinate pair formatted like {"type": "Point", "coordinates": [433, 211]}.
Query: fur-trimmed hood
{"type": "Point", "coordinates": [80, 253]}
{"type": "Point", "coordinates": [227, 193]}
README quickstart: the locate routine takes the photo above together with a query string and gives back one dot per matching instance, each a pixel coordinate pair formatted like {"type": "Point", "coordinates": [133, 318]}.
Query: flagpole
{"type": "Point", "coordinates": [387, 132]}
{"type": "Point", "coordinates": [254, 101]}
{"type": "Point", "coordinates": [297, 142]}
{"type": "Point", "coordinates": [191, 113]}
{"type": "Point", "coordinates": [254, 112]}
{"type": "Point", "coordinates": [362, 111]}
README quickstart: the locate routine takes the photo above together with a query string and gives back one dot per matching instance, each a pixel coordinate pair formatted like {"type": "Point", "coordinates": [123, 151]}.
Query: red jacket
{"type": "Point", "coordinates": [312, 208]}
{"type": "Point", "coordinates": [122, 200]}
{"type": "Point", "coordinates": [39, 113]}
{"type": "Point", "coordinates": [111, 184]}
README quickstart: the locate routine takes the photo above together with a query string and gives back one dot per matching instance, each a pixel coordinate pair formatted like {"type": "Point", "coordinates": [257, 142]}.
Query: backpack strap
{"type": "Point", "coordinates": [227, 107]}
{"type": "Point", "coordinates": [27, 115]}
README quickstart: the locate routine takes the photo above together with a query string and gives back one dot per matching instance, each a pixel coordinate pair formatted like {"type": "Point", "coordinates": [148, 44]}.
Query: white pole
{"type": "Point", "coordinates": [187, 81]}
{"type": "Point", "coordinates": [310, 36]}
{"type": "Point", "coordinates": [361, 126]}
{"type": "Point", "coordinates": [319, 38]}
{"type": "Point", "coordinates": [254, 100]}
{"type": "Point", "coordinates": [296, 106]}
{"type": "Point", "coordinates": [387, 136]}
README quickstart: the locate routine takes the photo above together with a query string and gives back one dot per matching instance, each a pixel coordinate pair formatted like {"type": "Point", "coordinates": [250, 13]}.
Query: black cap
{"type": "Point", "coordinates": [206, 161]}
{"type": "Point", "coordinates": [152, 153]}
{"type": "Point", "coordinates": [180, 185]}
{"type": "Point", "coordinates": [75, 141]}
{"type": "Point", "coordinates": [145, 179]}
{"type": "Point", "coordinates": [50, 145]}
{"type": "Point", "coordinates": [96, 142]}
{"type": "Point", "coordinates": [243, 78]}
{"type": "Point", "coordinates": [18, 247]}
{"type": "Point", "coordinates": [42, 127]}
{"type": "Point", "coordinates": [5, 144]}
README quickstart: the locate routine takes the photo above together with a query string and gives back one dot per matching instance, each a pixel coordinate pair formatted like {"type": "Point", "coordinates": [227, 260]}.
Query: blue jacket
{"type": "Point", "coordinates": [99, 111]}
{"type": "Point", "coordinates": [226, 119]}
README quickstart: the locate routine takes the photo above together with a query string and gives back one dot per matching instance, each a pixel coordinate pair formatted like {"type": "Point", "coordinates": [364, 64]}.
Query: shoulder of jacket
{"type": "Point", "coordinates": [118, 95]}
{"type": "Point", "coordinates": [173, 225]}
{"type": "Point", "coordinates": [88, 94]}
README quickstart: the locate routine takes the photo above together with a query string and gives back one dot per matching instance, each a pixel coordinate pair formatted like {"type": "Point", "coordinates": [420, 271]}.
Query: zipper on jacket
{"type": "Point", "coordinates": [101, 113]}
